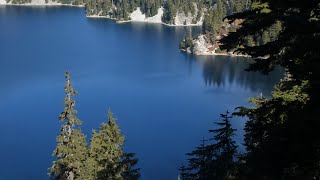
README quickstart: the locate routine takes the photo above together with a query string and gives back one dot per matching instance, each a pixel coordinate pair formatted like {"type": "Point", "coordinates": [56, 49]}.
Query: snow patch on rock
{"type": "Point", "coordinates": [138, 16]}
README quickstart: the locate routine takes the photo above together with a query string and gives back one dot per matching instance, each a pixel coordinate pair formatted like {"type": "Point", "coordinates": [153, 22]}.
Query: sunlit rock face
{"type": "Point", "coordinates": [138, 16]}
{"type": "Point", "coordinates": [202, 46]}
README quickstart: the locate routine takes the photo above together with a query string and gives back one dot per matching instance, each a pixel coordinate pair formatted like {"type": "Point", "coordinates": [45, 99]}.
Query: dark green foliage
{"type": "Point", "coordinates": [282, 138]}
{"type": "Point", "coordinates": [169, 12]}
{"type": "Point", "coordinates": [250, 41]}
{"type": "Point", "coordinates": [120, 9]}
{"type": "Point", "coordinates": [237, 6]}
{"type": "Point", "coordinates": [106, 150]}
{"type": "Point", "coordinates": [213, 20]}
{"type": "Point", "coordinates": [214, 160]}
{"type": "Point", "coordinates": [199, 163]}
{"type": "Point", "coordinates": [71, 150]}
{"type": "Point", "coordinates": [187, 42]}
{"type": "Point", "coordinates": [18, 1]}
{"type": "Point", "coordinates": [73, 2]}
{"type": "Point", "coordinates": [107, 156]}
{"type": "Point", "coordinates": [268, 35]}
{"type": "Point", "coordinates": [129, 161]}
{"type": "Point", "coordinates": [265, 38]}
{"type": "Point", "coordinates": [172, 7]}
{"type": "Point", "coordinates": [150, 7]}
{"type": "Point", "coordinates": [211, 25]}
{"type": "Point", "coordinates": [104, 159]}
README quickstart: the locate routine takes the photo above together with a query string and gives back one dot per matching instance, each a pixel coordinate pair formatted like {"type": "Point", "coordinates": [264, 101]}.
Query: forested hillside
{"type": "Point", "coordinates": [172, 12]}
{"type": "Point", "coordinates": [188, 11]}
{"type": "Point", "coordinates": [121, 9]}
{"type": "Point", "coordinates": [177, 12]}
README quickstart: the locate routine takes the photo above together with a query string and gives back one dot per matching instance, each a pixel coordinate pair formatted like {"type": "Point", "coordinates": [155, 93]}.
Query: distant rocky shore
{"type": "Point", "coordinates": [202, 46]}
{"type": "Point", "coordinates": [137, 16]}
{"type": "Point", "coordinates": [197, 46]}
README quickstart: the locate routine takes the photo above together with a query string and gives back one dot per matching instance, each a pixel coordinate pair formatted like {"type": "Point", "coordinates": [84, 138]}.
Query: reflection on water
{"type": "Point", "coordinates": [225, 72]}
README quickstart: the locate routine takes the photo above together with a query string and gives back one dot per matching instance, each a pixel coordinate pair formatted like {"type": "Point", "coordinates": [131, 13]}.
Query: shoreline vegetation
{"type": "Point", "coordinates": [179, 13]}
{"type": "Point", "coordinates": [137, 21]}
{"type": "Point", "coordinates": [172, 13]}
{"type": "Point", "coordinates": [230, 54]}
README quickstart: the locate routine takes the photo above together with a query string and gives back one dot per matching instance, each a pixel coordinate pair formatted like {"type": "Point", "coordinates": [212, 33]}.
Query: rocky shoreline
{"type": "Point", "coordinates": [202, 47]}
{"type": "Point", "coordinates": [138, 16]}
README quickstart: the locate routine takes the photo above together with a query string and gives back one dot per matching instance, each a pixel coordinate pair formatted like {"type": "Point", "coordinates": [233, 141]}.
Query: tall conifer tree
{"type": "Point", "coordinates": [71, 150]}
{"type": "Point", "coordinates": [106, 154]}
{"type": "Point", "coordinates": [214, 161]}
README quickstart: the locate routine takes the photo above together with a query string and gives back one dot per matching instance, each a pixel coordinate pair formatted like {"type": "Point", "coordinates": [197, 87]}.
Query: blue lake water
{"type": "Point", "coordinates": [165, 101]}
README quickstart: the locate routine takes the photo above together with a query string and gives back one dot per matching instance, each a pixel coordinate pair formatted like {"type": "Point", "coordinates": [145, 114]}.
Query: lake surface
{"type": "Point", "coordinates": [165, 101]}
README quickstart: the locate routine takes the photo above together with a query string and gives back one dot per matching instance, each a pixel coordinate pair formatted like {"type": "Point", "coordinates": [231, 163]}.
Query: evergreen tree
{"type": "Point", "coordinates": [106, 150]}
{"type": "Point", "coordinates": [129, 161]}
{"type": "Point", "coordinates": [225, 148]}
{"type": "Point", "coordinates": [265, 38]}
{"type": "Point", "coordinates": [199, 163]}
{"type": "Point", "coordinates": [221, 10]}
{"type": "Point", "coordinates": [71, 150]}
{"type": "Point", "coordinates": [214, 161]}
{"type": "Point", "coordinates": [282, 138]}
{"type": "Point", "coordinates": [187, 42]}
{"type": "Point", "coordinates": [106, 154]}
{"type": "Point", "coordinates": [169, 12]}
{"type": "Point", "coordinates": [274, 30]}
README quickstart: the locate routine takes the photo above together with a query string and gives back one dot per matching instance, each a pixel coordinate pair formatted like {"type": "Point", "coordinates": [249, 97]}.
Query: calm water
{"type": "Point", "coordinates": [165, 101]}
